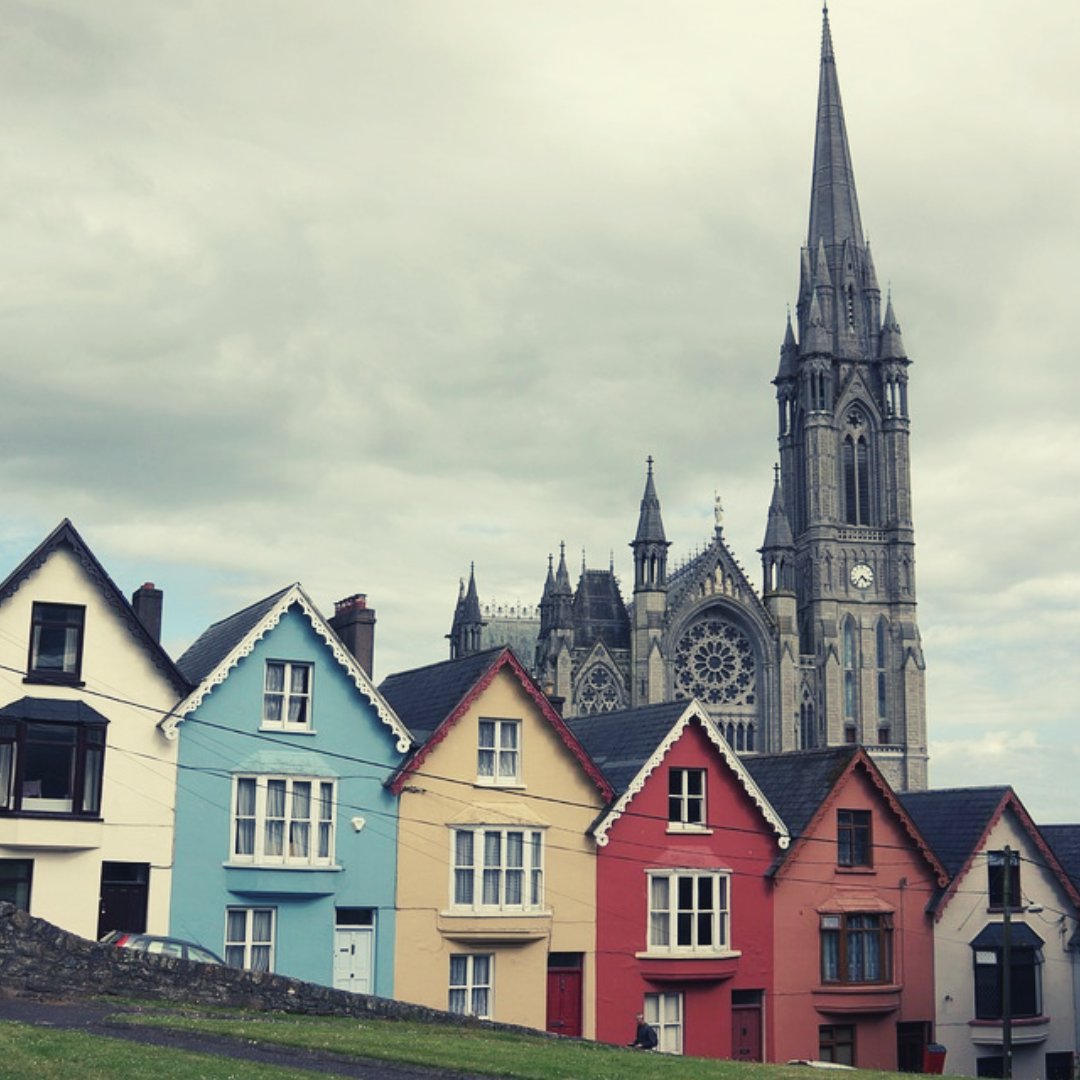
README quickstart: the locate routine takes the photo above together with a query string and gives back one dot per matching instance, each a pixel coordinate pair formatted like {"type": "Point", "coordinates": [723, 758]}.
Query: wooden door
{"type": "Point", "coordinates": [746, 1032]}
{"type": "Point", "coordinates": [564, 999]}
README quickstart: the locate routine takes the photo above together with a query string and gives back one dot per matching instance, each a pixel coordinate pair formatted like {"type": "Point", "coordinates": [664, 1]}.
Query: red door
{"type": "Point", "coordinates": [746, 1032]}
{"type": "Point", "coordinates": [564, 1000]}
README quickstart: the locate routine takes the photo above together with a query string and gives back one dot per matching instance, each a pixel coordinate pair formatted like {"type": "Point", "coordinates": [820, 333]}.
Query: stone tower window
{"type": "Point", "coordinates": [851, 672]}
{"type": "Point", "coordinates": [855, 461]}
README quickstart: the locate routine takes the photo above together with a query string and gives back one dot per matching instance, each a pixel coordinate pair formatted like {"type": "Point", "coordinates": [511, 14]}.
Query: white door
{"type": "Point", "coordinates": [353, 948]}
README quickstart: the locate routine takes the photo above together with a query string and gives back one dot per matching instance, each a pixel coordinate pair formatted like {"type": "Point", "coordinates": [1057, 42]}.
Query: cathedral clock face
{"type": "Point", "coordinates": [862, 577]}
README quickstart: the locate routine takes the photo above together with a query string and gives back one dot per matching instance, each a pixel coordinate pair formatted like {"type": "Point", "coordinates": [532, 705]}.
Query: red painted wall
{"type": "Point", "coordinates": [741, 841]}
{"type": "Point", "coordinates": [901, 881]}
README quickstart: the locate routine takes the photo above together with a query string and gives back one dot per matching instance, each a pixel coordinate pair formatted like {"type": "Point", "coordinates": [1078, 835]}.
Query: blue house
{"type": "Point", "coordinates": [286, 837]}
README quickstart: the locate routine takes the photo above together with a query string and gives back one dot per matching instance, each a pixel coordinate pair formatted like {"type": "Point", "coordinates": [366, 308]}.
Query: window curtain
{"type": "Point", "coordinates": [274, 842]}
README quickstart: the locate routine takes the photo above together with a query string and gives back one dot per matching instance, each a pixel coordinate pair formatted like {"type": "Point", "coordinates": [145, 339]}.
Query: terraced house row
{"type": "Point", "coordinates": [705, 805]}
{"type": "Point", "coordinates": [448, 838]}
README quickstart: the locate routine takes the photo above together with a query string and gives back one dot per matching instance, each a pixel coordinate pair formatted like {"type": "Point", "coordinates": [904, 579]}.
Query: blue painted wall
{"type": "Point", "coordinates": [348, 742]}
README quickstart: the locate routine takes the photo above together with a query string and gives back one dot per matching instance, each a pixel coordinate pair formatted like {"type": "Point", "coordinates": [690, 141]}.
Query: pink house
{"type": "Point", "coordinates": [684, 902]}
{"type": "Point", "coordinates": [850, 894]}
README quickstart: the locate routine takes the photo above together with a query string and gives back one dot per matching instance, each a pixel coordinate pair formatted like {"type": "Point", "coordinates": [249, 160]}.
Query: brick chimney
{"type": "Point", "coordinates": [146, 600]}
{"type": "Point", "coordinates": [354, 623]}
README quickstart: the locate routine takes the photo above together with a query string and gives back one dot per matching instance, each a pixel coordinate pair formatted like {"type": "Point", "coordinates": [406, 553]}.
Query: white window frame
{"type": "Point", "coordinates": [683, 800]}
{"type": "Point", "coordinates": [498, 752]}
{"type": "Point", "coordinates": [664, 1014]}
{"type": "Point", "coordinates": [497, 869]}
{"type": "Point", "coordinates": [668, 922]}
{"type": "Point", "coordinates": [255, 953]}
{"type": "Point", "coordinates": [286, 696]}
{"type": "Point", "coordinates": [471, 994]}
{"type": "Point", "coordinates": [282, 821]}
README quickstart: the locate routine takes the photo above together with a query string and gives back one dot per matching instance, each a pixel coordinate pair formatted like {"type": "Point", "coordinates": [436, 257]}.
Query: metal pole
{"type": "Point", "coordinates": [1006, 969]}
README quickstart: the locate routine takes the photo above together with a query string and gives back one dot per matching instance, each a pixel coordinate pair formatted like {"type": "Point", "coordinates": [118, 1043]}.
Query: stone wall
{"type": "Point", "coordinates": [41, 960]}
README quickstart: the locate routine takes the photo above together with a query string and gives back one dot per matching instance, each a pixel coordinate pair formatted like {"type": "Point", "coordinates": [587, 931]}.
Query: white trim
{"type": "Point", "coordinates": [694, 710]}
{"type": "Point", "coordinates": [295, 595]}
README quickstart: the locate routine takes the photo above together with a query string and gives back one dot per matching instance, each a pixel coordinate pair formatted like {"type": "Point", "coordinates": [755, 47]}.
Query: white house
{"type": "Point", "coordinates": [87, 778]}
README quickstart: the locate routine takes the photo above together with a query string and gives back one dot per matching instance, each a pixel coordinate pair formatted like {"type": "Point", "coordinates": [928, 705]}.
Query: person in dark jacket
{"type": "Point", "coordinates": [645, 1039]}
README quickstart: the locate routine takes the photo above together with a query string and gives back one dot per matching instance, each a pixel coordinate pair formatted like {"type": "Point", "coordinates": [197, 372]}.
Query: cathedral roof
{"type": "Point", "coordinates": [599, 612]}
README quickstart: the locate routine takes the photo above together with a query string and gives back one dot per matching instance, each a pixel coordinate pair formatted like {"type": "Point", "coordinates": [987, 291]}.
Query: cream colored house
{"type": "Point", "coordinates": [87, 778]}
{"type": "Point", "coordinates": [496, 871]}
{"type": "Point", "coordinates": [999, 864]}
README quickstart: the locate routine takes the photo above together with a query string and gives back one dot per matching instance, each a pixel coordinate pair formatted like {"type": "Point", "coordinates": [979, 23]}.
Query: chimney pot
{"type": "Point", "coordinates": [354, 623]}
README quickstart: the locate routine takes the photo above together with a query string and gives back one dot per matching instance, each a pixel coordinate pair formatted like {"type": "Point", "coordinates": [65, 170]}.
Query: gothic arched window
{"type": "Point", "coordinates": [807, 721]}
{"type": "Point", "coordinates": [598, 692]}
{"type": "Point", "coordinates": [881, 661]}
{"type": "Point", "coordinates": [855, 465]}
{"type": "Point", "coordinates": [851, 672]}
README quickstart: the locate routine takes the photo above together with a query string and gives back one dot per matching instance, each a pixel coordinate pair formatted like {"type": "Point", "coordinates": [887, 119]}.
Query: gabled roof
{"type": "Point", "coordinates": [802, 786]}
{"type": "Point", "coordinates": [630, 745]}
{"type": "Point", "coordinates": [959, 821]}
{"type": "Point", "coordinates": [222, 646]}
{"type": "Point", "coordinates": [432, 699]}
{"type": "Point", "coordinates": [1064, 841]}
{"type": "Point", "coordinates": [67, 536]}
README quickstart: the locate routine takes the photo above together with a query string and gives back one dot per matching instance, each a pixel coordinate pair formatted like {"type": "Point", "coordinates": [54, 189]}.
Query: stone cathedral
{"type": "Point", "coordinates": [827, 651]}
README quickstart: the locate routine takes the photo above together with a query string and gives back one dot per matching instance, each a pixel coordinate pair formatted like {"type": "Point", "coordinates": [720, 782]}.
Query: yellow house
{"type": "Point", "coordinates": [496, 871]}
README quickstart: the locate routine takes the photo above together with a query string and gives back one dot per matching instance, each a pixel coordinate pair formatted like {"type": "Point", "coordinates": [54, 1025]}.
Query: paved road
{"type": "Point", "coordinates": [107, 1021]}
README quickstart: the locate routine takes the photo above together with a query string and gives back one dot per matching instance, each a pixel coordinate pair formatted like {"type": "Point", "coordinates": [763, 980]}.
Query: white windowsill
{"type": "Point", "coordinates": [688, 954]}
{"type": "Point", "coordinates": [686, 828]}
{"type": "Point", "coordinates": [281, 866]}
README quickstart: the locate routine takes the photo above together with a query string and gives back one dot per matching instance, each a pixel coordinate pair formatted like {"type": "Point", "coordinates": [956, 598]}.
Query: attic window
{"type": "Point", "coordinates": [56, 642]}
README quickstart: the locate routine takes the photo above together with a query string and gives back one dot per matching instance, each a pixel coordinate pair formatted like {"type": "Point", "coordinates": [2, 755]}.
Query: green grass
{"type": "Point", "coordinates": [479, 1050]}
{"type": "Point", "coordinates": [50, 1054]}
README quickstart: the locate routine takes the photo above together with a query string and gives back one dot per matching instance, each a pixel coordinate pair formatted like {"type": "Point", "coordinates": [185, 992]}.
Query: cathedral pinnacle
{"type": "Point", "coordinates": [650, 525]}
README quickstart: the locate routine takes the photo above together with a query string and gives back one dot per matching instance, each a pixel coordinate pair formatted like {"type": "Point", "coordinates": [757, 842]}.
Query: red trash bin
{"type": "Point", "coordinates": [933, 1061]}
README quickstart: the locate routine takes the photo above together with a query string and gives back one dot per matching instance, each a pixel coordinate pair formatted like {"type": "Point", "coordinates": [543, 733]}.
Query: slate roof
{"type": "Point", "coordinates": [424, 697]}
{"type": "Point", "coordinates": [797, 783]}
{"type": "Point", "coordinates": [62, 710]}
{"type": "Point", "coordinates": [1064, 841]}
{"type": "Point", "coordinates": [621, 742]}
{"type": "Point", "coordinates": [953, 820]}
{"type": "Point", "coordinates": [218, 640]}
{"type": "Point", "coordinates": [66, 535]}
{"type": "Point", "coordinates": [599, 612]}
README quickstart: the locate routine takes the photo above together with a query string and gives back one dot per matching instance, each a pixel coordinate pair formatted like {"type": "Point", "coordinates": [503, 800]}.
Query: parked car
{"type": "Point", "coordinates": [161, 946]}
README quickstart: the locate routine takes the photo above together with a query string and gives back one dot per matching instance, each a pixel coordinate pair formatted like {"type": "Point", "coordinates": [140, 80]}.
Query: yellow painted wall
{"type": "Point", "coordinates": [435, 802]}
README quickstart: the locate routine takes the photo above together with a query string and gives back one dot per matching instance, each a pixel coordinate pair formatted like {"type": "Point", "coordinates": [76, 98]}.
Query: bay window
{"type": "Point", "coordinates": [856, 948]}
{"type": "Point", "coordinates": [498, 869]}
{"type": "Point", "coordinates": [283, 820]}
{"type": "Point", "coordinates": [688, 911]}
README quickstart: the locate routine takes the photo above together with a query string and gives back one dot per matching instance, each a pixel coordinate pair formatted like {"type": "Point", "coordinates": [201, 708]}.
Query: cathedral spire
{"type": "Point", "coordinates": [650, 525]}
{"type": "Point", "coordinates": [465, 632]}
{"type": "Point", "coordinates": [834, 207]}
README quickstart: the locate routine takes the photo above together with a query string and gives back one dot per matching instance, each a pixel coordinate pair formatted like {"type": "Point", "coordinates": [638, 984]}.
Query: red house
{"type": "Point", "coordinates": [850, 897]}
{"type": "Point", "coordinates": [684, 901]}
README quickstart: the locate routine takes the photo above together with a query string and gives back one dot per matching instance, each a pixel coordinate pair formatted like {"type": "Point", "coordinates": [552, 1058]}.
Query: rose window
{"type": "Point", "coordinates": [714, 662]}
{"type": "Point", "coordinates": [597, 692]}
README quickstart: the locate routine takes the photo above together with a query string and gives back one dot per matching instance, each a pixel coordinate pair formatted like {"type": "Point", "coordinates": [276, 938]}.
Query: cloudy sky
{"type": "Point", "coordinates": [353, 293]}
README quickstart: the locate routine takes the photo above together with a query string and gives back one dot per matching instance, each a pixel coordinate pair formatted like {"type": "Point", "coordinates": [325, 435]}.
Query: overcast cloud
{"type": "Point", "coordinates": [355, 293]}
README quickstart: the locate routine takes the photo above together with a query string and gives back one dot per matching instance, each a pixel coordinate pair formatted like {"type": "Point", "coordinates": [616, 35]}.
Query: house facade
{"type": "Point", "coordinates": [685, 935]}
{"type": "Point", "coordinates": [1009, 904]}
{"type": "Point", "coordinates": [496, 868]}
{"type": "Point", "coordinates": [87, 779]}
{"type": "Point", "coordinates": [286, 836]}
{"type": "Point", "coordinates": [850, 897]}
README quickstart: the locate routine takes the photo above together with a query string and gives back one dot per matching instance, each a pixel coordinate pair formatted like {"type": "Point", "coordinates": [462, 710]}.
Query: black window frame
{"type": "Point", "coordinates": [995, 880]}
{"type": "Point", "coordinates": [1025, 983]}
{"type": "Point", "coordinates": [854, 839]}
{"type": "Point", "coordinates": [19, 883]}
{"type": "Point", "coordinates": [87, 770]}
{"type": "Point", "coordinates": [46, 616]}
{"type": "Point", "coordinates": [836, 1043]}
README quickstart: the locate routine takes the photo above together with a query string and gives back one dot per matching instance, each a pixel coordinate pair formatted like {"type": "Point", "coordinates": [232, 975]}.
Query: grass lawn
{"type": "Point", "coordinates": [481, 1050]}
{"type": "Point", "coordinates": [50, 1054]}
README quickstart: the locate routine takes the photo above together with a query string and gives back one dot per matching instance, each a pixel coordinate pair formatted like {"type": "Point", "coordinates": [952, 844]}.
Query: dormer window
{"type": "Point", "coordinates": [56, 641]}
